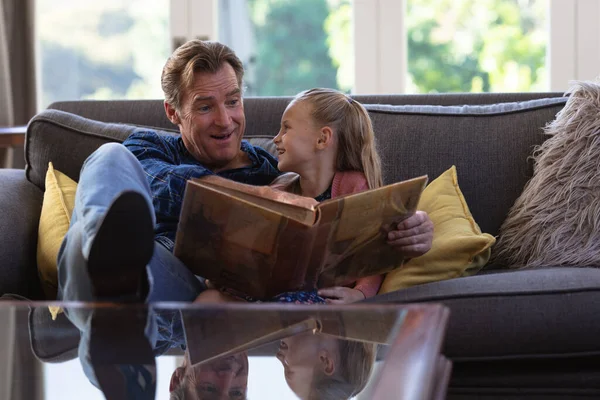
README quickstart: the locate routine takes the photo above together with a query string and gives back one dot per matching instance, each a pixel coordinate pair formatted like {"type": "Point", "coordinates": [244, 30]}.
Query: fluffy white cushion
{"type": "Point", "coordinates": [556, 220]}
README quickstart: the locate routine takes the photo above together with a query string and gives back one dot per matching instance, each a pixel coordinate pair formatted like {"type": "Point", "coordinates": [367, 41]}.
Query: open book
{"type": "Point", "coordinates": [214, 333]}
{"type": "Point", "coordinates": [259, 241]}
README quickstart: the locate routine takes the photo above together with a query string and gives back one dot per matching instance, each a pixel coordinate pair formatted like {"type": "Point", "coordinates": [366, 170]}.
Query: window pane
{"type": "Point", "coordinates": [477, 45]}
{"type": "Point", "coordinates": [288, 46]}
{"type": "Point", "coordinates": [110, 49]}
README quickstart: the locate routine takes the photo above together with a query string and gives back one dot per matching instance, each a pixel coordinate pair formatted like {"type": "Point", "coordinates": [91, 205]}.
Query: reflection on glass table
{"type": "Point", "coordinates": [244, 351]}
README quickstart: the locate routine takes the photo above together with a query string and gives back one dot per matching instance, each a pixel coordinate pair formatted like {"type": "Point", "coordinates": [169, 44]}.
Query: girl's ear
{"type": "Point", "coordinates": [176, 378]}
{"type": "Point", "coordinates": [325, 138]}
{"type": "Point", "coordinates": [327, 362]}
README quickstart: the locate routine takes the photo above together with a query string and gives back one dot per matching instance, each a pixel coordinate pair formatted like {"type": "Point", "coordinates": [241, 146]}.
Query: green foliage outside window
{"type": "Point", "coordinates": [476, 45]}
{"type": "Point", "coordinates": [111, 49]}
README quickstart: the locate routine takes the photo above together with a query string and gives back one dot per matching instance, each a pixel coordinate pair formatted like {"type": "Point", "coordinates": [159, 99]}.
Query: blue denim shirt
{"type": "Point", "coordinates": [169, 165]}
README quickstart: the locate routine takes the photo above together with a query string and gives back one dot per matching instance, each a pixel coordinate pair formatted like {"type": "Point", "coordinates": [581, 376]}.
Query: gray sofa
{"type": "Point", "coordinates": [512, 334]}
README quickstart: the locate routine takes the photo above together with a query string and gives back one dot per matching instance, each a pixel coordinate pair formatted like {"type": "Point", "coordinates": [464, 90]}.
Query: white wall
{"type": "Point", "coordinates": [574, 41]}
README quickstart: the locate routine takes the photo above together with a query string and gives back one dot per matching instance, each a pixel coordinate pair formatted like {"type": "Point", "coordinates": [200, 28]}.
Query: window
{"type": "Point", "coordinates": [476, 45]}
{"type": "Point", "coordinates": [289, 46]}
{"type": "Point", "coordinates": [115, 49]}
{"type": "Point", "coordinates": [101, 50]}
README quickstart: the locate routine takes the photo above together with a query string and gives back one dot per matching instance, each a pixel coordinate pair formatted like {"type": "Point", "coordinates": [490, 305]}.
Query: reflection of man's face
{"type": "Point", "coordinates": [222, 379]}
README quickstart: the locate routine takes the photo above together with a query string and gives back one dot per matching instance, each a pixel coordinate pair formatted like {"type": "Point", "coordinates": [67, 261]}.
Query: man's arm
{"type": "Point", "coordinates": [160, 159]}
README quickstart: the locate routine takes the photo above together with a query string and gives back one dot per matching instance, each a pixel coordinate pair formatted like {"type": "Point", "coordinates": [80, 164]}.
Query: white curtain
{"type": "Point", "coordinates": [17, 67]}
{"type": "Point", "coordinates": [7, 338]}
{"type": "Point", "coordinates": [21, 374]}
{"type": "Point", "coordinates": [6, 108]}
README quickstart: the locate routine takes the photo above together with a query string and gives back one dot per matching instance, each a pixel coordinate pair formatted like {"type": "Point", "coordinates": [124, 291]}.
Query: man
{"type": "Point", "coordinates": [225, 378]}
{"type": "Point", "coordinates": [120, 242]}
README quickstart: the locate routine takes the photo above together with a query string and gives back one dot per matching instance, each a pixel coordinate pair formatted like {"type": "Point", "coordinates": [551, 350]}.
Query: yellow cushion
{"type": "Point", "coordinates": [55, 218]}
{"type": "Point", "coordinates": [458, 249]}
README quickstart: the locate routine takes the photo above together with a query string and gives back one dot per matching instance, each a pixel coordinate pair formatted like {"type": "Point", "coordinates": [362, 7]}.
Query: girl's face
{"type": "Point", "coordinates": [297, 139]}
{"type": "Point", "coordinates": [304, 355]}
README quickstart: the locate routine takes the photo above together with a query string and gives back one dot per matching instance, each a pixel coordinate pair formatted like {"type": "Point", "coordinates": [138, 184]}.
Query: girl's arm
{"type": "Point", "coordinates": [369, 286]}
{"type": "Point", "coordinates": [363, 288]}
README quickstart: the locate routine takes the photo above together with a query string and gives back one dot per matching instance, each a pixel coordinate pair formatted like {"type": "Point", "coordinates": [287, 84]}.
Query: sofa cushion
{"type": "Point", "coordinates": [537, 313]}
{"type": "Point", "coordinates": [20, 202]}
{"type": "Point", "coordinates": [68, 139]}
{"type": "Point", "coordinates": [555, 220]}
{"type": "Point", "coordinates": [55, 219]}
{"type": "Point", "coordinates": [52, 340]}
{"type": "Point", "coordinates": [458, 247]}
{"type": "Point", "coordinates": [489, 144]}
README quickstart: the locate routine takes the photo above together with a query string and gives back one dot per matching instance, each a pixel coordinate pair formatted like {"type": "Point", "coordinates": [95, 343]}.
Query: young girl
{"type": "Point", "coordinates": [327, 146]}
{"type": "Point", "coordinates": [323, 367]}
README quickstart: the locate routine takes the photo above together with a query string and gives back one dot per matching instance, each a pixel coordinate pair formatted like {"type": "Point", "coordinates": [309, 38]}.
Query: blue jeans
{"type": "Point", "coordinates": [108, 172]}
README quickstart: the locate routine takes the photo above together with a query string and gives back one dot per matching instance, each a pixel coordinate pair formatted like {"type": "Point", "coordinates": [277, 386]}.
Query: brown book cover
{"type": "Point", "coordinates": [223, 331]}
{"type": "Point", "coordinates": [212, 334]}
{"type": "Point", "coordinates": [261, 241]}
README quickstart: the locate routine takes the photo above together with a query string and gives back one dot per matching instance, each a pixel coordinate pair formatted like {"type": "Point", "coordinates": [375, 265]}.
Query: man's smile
{"type": "Point", "coordinates": [224, 136]}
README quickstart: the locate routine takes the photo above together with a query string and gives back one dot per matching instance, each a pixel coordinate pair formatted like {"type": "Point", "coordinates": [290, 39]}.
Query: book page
{"type": "Point", "coordinates": [300, 208]}
{"type": "Point", "coordinates": [358, 227]}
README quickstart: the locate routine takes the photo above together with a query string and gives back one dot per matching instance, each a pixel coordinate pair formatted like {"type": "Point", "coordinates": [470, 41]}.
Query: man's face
{"type": "Point", "coordinates": [222, 379]}
{"type": "Point", "coordinates": [211, 119]}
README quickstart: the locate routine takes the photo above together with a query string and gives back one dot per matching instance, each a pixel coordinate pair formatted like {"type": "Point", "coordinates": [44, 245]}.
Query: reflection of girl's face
{"type": "Point", "coordinates": [301, 355]}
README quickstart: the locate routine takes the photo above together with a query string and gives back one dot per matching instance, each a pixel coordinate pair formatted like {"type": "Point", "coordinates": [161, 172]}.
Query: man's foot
{"type": "Point", "coordinates": [122, 359]}
{"type": "Point", "coordinates": [121, 250]}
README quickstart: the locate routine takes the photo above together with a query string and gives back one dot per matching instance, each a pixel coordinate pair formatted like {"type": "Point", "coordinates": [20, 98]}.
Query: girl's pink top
{"type": "Point", "coordinates": [348, 182]}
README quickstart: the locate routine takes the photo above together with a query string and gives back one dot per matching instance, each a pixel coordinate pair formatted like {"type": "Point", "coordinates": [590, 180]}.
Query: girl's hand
{"type": "Point", "coordinates": [215, 296]}
{"type": "Point", "coordinates": [341, 295]}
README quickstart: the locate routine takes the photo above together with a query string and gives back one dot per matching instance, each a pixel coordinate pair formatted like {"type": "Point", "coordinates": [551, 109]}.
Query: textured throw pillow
{"type": "Point", "coordinates": [55, 218]}
{"type": "Point", "coordinates": [556, 220]}
{"type": "Point", "coordinates": [458, 249]}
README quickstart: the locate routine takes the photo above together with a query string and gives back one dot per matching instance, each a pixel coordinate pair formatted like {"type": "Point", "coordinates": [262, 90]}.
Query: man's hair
{"type": "Point", "coordinates": [352, 124]}
{"type": "Point", "coordinates": [191, 57]}
{"type": "Point", "coordinates": [187, 384]}
{"type": "Point", "coordinates": [352, 372]}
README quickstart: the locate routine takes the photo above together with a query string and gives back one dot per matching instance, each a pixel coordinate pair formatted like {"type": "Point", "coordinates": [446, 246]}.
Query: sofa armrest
{"type": "Point", "coordinates": [20, 204]}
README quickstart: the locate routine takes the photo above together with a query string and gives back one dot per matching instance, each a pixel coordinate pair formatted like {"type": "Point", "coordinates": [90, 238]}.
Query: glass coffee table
{"type": "Point", "coordinates": [233, 351]}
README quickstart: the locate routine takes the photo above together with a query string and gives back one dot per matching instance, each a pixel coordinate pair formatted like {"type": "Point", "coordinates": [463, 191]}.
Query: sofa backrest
{"type": "Point", "coordinates": [489, 144]}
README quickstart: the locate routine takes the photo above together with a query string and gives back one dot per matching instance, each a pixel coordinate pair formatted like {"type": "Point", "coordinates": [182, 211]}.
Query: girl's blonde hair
{"type": "Point", "coordinates": [354, 131]}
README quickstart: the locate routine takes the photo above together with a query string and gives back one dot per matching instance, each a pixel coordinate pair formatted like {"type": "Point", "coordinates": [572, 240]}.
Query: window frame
{"type": "Point", "coordinates": [573, 43]}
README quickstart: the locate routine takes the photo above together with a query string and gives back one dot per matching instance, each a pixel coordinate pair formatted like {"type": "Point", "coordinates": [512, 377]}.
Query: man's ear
{"type": "Point", "coordinates": [176, 378]}
{"type": "Point", "coordinates": [325, 138]}
{"type": "Point", "coordinates": [172, 114]}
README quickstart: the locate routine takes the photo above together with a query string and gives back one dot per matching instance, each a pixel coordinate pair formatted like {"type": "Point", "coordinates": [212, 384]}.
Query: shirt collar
{"type": "Point", "coordinates": [245, 147]}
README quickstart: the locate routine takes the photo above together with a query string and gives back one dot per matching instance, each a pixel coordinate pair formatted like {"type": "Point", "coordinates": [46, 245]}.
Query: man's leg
{"type": "Point", "coordinates": [111, 236]}
{"type": "Point", "coordinates": [122, 236]}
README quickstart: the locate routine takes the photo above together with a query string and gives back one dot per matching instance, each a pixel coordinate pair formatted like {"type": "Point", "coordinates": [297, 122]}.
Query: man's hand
{"type": "Point", "coordinates": [413, 236]}
{"type": "Point", "coordinates": [341, 295]}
